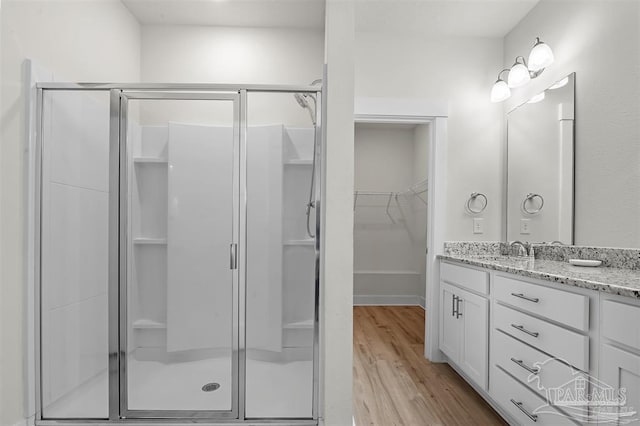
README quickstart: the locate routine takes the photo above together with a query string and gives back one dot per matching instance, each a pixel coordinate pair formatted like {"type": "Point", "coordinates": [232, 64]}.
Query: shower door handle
{"type": "Point", "coordinates": [233, 256]}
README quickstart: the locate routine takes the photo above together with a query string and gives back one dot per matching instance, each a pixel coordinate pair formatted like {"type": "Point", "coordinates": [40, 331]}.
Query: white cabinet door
{"type": "Point", "coordinates": [450, 326]}
{"type": "Point", "coordinates": [621, 370]}
{"type": "Point", "coordinates": [474, 338]}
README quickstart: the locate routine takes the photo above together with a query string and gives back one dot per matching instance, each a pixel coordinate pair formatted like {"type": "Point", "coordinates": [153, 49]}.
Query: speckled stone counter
{"type": "Point", "coordinates": [623, 281]}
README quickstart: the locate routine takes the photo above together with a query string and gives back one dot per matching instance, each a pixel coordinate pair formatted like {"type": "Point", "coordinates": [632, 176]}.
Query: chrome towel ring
{"type": "Point", "coordinates": [472, 198]}
{"type": "Point", "coordinates": [529, 198]}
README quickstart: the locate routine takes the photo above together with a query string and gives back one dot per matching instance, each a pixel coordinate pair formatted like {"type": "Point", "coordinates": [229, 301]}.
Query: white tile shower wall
{"type": "Point", "coordinates": [75, 242]}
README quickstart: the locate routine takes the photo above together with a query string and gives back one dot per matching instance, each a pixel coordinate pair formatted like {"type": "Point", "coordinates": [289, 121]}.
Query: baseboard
{"type": "Point", "coordinates": [388, 300]}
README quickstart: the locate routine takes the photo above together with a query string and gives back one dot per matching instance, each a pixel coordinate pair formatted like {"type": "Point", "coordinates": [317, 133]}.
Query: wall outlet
{"type": "Point", "coordinates": [525, 226]}
{"type": "Point", "coordinates": [478, 225]}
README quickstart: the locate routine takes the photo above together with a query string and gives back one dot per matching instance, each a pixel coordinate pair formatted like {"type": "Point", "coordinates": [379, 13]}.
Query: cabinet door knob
{"type": "Point", "coordinates": [524, 330]}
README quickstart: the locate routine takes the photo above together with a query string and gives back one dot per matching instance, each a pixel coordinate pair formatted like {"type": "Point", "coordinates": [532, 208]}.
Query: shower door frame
{"type": "Point", "coordinates": [117, 275]}
{"type": "Point", "coordinates": [120, 144]}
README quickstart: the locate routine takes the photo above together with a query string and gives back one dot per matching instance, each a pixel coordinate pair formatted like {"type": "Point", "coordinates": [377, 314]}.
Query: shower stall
{"type": "Point", "coordinates": [177, 253]}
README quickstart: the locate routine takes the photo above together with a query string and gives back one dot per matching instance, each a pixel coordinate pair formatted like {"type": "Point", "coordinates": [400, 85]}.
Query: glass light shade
{"type": "Point", "coordinates": [518, 75]}
{"type": "Point", "coordinates": [537, 98]}
{"type": "Point", "coordinates": [540, 57]}
{"type": "Point", "coordinates": [500, 91]}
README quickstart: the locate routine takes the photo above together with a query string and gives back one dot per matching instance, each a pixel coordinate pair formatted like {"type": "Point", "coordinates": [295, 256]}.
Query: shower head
{"type": "Point", "coordinates": [303, 101]}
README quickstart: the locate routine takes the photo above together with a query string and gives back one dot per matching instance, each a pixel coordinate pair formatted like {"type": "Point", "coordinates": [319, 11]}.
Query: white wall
{"type": "Point", "coordinates": [94, 40]}
{"type": "Point", "coordinates": [199, 54]}
{"type": "Point", "coordinates": [336, 317]}
{"type": "Point", "coordinates": [599, 41]}
{"type": "Point", "coordinates": [460, 71]}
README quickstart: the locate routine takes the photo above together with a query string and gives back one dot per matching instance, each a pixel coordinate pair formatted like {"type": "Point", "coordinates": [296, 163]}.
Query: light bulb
{"type": "Point", "coordinates": [500, 91]}
{"type": "Point", "coordinates": [537, 98]}
{"type": "Point", "coordinates": [541, 56]}
{"type": "Point", "coordinates": [518, 75]}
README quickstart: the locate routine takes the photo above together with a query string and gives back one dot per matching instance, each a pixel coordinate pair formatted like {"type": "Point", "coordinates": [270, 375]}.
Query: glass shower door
{"type": "Point", "coordinates": [179, 204]}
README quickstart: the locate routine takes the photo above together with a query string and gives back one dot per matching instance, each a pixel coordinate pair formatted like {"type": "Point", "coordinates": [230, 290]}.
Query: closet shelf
{"type": "Point", "coordinates": [150, 160]}
{"type": "Point", "coordinates": [150, 241]}
{"type": "Point", "coordinates": [307, 242]}
{"type": "Point", "coordinates": [148, 324]}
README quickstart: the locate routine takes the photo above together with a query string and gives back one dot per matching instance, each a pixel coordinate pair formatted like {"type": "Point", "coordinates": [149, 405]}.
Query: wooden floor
{"type": "Point", "coordinates": [395, 385]}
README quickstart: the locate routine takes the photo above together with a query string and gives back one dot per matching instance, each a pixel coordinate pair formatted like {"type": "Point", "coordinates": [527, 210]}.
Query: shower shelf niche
{"type": "Point", "coordinates": [150, 241]}
{"type": "Point", "coordinates": [150, 160]}
{"type": "Point", "coordinates": [298, 162]}
{"type": "Point", "coordinates": [147, 323]}
{"type": "Point", "coordinates": [308, 242]}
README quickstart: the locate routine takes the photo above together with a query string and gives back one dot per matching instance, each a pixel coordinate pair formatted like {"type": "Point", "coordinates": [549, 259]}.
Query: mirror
{"type": "Point", "coordinates": [540, 166]}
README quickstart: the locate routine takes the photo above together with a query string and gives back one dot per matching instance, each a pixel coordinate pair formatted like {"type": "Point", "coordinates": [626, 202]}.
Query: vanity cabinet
{"type": "Point", "coordinates": [620, 349]}
{"type": "Point", "coordinates": [514, 338]}
{"type": "Point", "coordinates": [464, 330]}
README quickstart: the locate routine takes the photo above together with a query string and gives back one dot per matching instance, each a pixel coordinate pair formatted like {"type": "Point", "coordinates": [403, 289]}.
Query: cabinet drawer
{"type": "Point", "coordinates": [471, 279]}
{"type": "Point", "coordinates": [561, 306]}
{"type": "Point", "coordinates": [532, 367]}
{"type": "Point", "coordinates": [619, 323]}
{"type": "Point", "coordinates": [507, 391]}
{"type": "Point", "coordinates": [559, 342]}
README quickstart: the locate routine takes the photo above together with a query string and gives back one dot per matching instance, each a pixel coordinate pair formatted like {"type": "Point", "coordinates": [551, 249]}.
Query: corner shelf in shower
{"type": "Point", "coordinates": [307, 242]}
{"type": "Point", "coordinates": [298, 162]}
{"type": "Point", "coordinates": [148, 324]}
{"type": "Point", "coordinates": [150, 160]}
{"type": "Point", "coordinates": [150, 241]}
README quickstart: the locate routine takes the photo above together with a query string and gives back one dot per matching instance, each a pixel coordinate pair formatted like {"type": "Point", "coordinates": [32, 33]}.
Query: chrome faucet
{"type": "Point", "coordinates": [522, 250]}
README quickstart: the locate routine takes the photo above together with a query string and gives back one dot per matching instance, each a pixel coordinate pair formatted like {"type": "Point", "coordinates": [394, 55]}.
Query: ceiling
{"type": "Point", "coordinates": [463, 18]}
{"type": "Point", "coordinates": [230, 13]}
{"type": "Point", "coordinates": [442, 18]}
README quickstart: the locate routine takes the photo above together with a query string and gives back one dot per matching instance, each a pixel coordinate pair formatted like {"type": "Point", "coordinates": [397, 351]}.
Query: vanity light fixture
{"type": "Point", "coordinates": [540, 57]}
{"type": "Point", "coordinates": [519, 74]}
{"type": "Point", "coordinates": [500, 90]}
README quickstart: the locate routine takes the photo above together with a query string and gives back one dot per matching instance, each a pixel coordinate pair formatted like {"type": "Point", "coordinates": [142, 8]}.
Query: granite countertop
{"type": "Point", "coordinates": [620, 281]}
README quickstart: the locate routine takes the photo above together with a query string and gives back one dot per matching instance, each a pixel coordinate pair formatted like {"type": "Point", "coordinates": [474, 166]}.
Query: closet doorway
{"type": "Point", "coordinates": [390, 213]}
{"type": "Point", "coordinates": [399, 223]}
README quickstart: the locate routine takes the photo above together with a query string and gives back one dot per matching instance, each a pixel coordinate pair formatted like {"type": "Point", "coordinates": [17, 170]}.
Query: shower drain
{"type": "Point", "coordinates": [210, 387]}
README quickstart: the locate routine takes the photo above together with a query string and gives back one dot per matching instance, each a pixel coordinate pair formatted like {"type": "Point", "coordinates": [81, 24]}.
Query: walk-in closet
{"type": "Point", "coordinates": [390, 213]}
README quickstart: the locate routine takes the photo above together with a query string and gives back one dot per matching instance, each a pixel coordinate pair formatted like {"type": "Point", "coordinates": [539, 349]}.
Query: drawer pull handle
{"type": "Point", "coordinates": [524, 330]}
{"type": "Point", "coordinates": [458, 313]}
{"type": "Point", "coordinates": [533, 417]}
{"type": "Point", "coordinates": [453, 305]}
{"type": "Point", "coordinates": [522, 296]}
{"type": "Point", "coordinates": [525, 366]}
